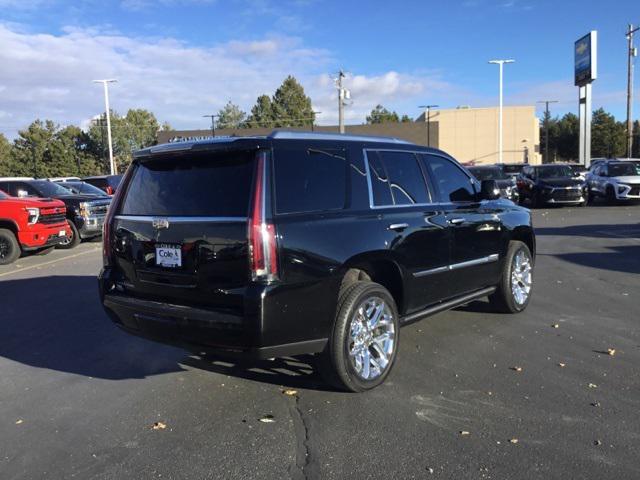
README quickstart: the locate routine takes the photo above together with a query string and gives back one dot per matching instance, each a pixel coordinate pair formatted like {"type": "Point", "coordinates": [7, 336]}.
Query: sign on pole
{"type": "Point", "coordinates": [586, 71]}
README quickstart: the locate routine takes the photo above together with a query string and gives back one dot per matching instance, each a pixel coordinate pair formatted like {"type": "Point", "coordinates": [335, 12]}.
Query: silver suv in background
{"type": "Point", "coordinates": [615, 180]}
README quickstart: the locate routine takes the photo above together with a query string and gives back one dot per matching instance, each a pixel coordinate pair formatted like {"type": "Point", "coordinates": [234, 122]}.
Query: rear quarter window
{"type": "Point", "coordinates": [216, 185]}
{"type": "Point", "coordinates": [310, 180]}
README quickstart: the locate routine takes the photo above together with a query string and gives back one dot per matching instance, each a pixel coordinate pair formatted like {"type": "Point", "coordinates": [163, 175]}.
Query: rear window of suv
{"type": "Point", "coordinates": [217, 185]}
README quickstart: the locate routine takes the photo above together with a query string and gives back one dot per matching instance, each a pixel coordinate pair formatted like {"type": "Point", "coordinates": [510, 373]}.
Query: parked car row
{"type": "Point", "coordinates": [39, 215]}
{"type": "Point", "coordinates": [615, 180]}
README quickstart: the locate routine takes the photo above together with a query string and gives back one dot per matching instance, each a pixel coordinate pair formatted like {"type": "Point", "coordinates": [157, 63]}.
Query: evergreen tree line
{"type": "Point", "coordinates": [608, 136]}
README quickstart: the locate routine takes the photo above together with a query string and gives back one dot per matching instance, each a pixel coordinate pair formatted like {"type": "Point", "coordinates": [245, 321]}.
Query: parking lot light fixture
{"type": "Point", "coordinates": [112, 165]}
{"type": "Point", "coordinates": [427, 114]}
{"type": "Point", "coordinates": [500, 63]}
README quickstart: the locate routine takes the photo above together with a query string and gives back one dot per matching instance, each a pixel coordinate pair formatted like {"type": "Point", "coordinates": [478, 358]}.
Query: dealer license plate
{"type": "Point", "coordinates": [168, 256]}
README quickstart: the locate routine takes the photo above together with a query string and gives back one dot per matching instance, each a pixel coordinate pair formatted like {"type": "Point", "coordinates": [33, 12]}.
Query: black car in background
{"type": "Point", "coordinates": [300, 243]}
{"type": "Point", "coordinates": [106, 183]}
{"type": "Point", "coordinates": [554, 184]}
{"type": "Point", "coordinates": [506, 183]}
{"type": "Point", "coordinates": [512, 169]}
{"type": "Point", "coordinates": [85, 213]}
{"type": "Point", "coordinates": [82, 188]}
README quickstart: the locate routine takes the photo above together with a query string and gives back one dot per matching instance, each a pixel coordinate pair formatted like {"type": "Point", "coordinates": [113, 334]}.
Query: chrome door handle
{"type": "Point", "coordinates": [455, 221]}
{"type": "Point", "coordinates": [398, 226]}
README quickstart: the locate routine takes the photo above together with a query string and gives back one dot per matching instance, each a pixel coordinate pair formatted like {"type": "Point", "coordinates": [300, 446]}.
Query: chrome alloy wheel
{"type": "Point", "coordinates": [521, 279]}
{"type": "Point", "coordinates": [371, 338]}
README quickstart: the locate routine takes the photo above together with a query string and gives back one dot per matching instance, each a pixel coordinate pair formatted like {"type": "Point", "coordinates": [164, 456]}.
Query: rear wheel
{"type": "Point", "coordinates": [9, 247]}
{"type": "Point", "coordinates": [364, 342]}
{"type": "Point", "coordinates": [516, 282]}
{"type": "Point", "coordinates": [70, 242]}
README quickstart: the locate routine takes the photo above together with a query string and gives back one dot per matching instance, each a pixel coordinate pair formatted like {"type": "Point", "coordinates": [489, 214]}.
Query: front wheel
{"type": "Point", "coordinates": [9, 247]}
{"type": "Point", "coordinates": [516, 282]}
{"type": "Point", "coordinates": [70, 242]}
{"type": "Point", "coordinates": [364, 341]}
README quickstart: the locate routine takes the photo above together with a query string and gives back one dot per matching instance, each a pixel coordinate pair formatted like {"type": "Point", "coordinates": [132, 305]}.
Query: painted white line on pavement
{"type": "Point", "coordinates": [31, 267]}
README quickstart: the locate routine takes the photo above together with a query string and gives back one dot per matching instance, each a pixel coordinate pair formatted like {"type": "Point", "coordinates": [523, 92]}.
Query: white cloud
{"type": "Point", "coordinates": [50, 76]}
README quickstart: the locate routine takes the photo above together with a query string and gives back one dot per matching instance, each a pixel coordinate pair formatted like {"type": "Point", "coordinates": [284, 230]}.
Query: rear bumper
{"type": "Point", "coordinates": [39, 238]}
{"type": "Point", "coordinates": [221, 332]}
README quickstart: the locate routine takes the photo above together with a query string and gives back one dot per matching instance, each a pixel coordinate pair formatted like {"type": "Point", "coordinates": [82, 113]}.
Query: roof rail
{"type": "Point", "coordinates": [302, 135]}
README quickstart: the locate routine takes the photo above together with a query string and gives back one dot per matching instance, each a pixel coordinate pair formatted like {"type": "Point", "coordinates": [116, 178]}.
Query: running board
{"type": "Point", "coordinates": [448, 305]}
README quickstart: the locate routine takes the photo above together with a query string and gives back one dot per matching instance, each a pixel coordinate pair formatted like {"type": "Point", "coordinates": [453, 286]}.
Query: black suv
{"type": "Point", "coordinates": [552, 184]}
{"type": "Point", "coordinates": [301, 243]}
{"type": "Point", "coordinates": [85, 213]}
{"type": "Point", "coordinates": [506, 183]}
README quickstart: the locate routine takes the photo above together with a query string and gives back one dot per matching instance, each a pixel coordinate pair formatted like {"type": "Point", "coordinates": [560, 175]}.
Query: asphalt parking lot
{"type": "Point", "coordinates": [538, 395]}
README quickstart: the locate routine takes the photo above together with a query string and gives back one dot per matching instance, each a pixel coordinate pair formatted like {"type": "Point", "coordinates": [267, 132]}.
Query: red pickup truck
{"type": "Point", "coordinates": [30, 225]}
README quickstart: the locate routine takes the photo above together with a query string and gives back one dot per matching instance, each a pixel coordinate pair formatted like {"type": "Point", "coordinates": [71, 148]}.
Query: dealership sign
{"type": "Point", "coordinates": [585, 55]}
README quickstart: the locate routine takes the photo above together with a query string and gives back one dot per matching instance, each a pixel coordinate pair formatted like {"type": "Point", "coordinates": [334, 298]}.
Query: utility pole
{"type": "Point", "coordinates": [428, 119]}
{"type": "Point", "coordinates": [343, 94]}
{"type": "Point", "coordinates": [112, 165]}
{"type": "Point", "coordinates": [500, 63]}
{"type": "Point", "coordinates": [213, 123]}
{"type": "Point", "coordinates": [632, 52]}
{"type": "Point", "coordinates": [546, 128]}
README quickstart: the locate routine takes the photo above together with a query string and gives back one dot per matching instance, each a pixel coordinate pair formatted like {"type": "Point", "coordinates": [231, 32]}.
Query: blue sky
{"type": "Point", "coordinates": [184, 58]}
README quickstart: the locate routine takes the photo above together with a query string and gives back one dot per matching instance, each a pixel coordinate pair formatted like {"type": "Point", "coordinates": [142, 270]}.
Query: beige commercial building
{"type": "Point", "coordinates": [470, 135]}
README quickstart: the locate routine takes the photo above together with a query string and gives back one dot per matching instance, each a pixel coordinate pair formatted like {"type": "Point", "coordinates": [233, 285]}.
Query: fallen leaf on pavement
{"type": "Point", "coordinates": [595, 404]}
{"type": "Point", "coordinates": [597, 442]}
{"type": "Point", "coordinates": [464, 433]}
{"type": "Point", "coordinates": [18, 422]}
{"type": "Point", "coordinates": [516, 369]}
{"type": "Point", "coordinates": [159, 426]}
{"type": "Point", "coordinates": [562, 365]}
{"type": "Point", "coordinates": [514, 440]}
{"type": "Point", "coordinates": [555, 325]}
{"type": "Point", "coordinates": [593, 385]}
{"type": "Point", "coordinates": [611, 351]}
{"type": "Point", "coordinates": [289, 392]}
{"type": "Point", "coordinates": [267, 419]}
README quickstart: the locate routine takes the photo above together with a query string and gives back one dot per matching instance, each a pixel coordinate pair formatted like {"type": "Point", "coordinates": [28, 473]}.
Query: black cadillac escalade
{"type": "Point", "coordinates": [306, 243]}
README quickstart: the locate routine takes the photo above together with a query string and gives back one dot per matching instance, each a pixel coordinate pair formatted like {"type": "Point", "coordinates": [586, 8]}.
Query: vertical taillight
{"type": "Point", "coordinates": [262, 235]}
{"type": "Point", "coordinates": [111, 212]}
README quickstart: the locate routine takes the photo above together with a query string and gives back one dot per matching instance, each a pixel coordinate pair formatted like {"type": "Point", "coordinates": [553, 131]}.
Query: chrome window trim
{"type": "Point", "coordinates": [415, 152]}
{"type": "Point", "coordinates": [179, 219]}
{"type": "Point", "coordinates": [455, 266]}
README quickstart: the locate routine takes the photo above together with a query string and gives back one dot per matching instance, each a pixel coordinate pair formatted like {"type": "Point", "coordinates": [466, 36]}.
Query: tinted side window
{"type": "Point", "coordinates": [453, 184]}
{"type": "Point", "coordinates": [311, 180]}
{"type": "Point", "coordinates": [405, 178]}
{"type": "Point", "coordinates": [380, 188]}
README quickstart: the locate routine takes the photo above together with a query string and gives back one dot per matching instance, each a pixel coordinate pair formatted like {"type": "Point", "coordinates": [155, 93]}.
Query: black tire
{"type": "Point", "coordinates": [9, 247]}
{"type": "Point", "coordinates": [335, 364]}
{"type": "Point", "coordinates": [535, 200]}
{"type": "Point", "coordinates": [74, 241]}
{"type": "Point", "coordinates": [611, 196]}
{"type": "Point", "coordinates": [503, 299]}
{"type": "Point", "coordinates": [590, 197]}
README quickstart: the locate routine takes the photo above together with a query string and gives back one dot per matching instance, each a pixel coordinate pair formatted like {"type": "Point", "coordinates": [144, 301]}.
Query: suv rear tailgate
{"type": "Point", "coordinates": [180, 233]}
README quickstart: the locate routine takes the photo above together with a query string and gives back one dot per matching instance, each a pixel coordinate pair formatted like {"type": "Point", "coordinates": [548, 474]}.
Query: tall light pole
{"type": "Point", "coordinates": [632, 52]}
{"type": "Point", "coordinates": [428, 119]}
{"type": "Point", "coordinates": [546, 128]}
{"type": "Point", "coordinates": [112, 165]}
{"type": "Point", "coordinates": [500, 63]}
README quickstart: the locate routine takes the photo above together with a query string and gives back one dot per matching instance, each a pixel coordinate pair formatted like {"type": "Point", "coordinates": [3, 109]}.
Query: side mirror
{"type": "Point", "coordinates": [489, 190]}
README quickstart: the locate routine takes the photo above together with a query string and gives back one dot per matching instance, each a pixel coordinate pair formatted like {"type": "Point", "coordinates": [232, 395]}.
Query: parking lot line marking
{"type": "Point", "coordinates": [31, 267]}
